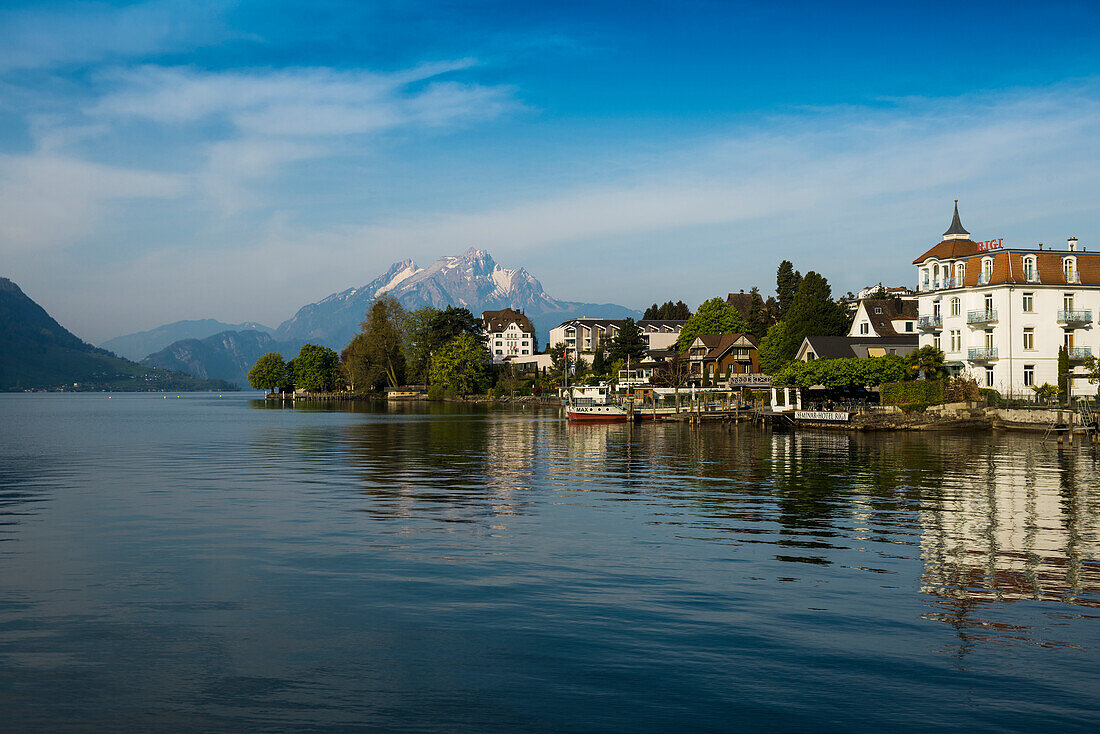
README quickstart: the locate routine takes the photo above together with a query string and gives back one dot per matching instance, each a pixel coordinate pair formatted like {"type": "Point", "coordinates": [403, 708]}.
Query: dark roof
{"type": "Point", "coordinates": [659, 323]}
{"type": "Point", "coordinates": [719, 344]}
{"type": "Point", "coordinates": [949, 249]}
{"type": "Point", "coordinates": [742, 302]}
{"type": "Point", "coordinates": [841, 347]}
{"type": "Point", "coordinates": [495, 321]}
{"type": "Point", "coordinates": [956, 225]}
{"type": "Point", "coordinates": [892, 308]}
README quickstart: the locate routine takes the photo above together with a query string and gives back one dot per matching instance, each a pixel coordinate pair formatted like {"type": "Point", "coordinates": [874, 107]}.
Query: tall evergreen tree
{"type": "Point", "coordinates": [627, 343]}
{"type": "Point", "coordinates": [787, 282]}
{"type": "Point", "coordinates": [812, 313]}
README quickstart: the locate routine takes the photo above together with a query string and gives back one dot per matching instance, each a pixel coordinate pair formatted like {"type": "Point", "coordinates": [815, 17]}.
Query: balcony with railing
{"type": "Point", "coordinates": [1072, 277]}
{"type": "Point", "coordinates": [982, 354]}
{"type": "Point", "coordinates": [985, 316]}
{"type": "Point", "coordinates": [984, 278]}
{"type": "Point", "coordinates": [1074, 317]}
{"type": "Point", "coordinates": [1079, 353]}
{"type": "Point", "coordinates": [930, 323]}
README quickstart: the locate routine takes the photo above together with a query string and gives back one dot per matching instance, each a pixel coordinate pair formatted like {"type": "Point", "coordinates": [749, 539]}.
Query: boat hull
{"type": "Point", "coordinates": [598, 414]}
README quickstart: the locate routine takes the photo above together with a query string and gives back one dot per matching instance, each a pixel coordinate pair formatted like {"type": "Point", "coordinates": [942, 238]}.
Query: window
{"type": "Point", "coordinates": [988, 302]}
{"type": "Point", "coordinates": [878, 309]}
{"type": "Point", "coordinates": [1029, 338]}
{"type": "Point", "coordinates": [989, 338]}
{"type": "Point", "coordinates": [908, 325]}
{"type": "Point", "coordinates": [956, 340]}
{"type": "Point", "coordinates": [1029, 303]}
{"type": "Point", "coordinates": [936, 341]}
{"type": "Point", "coordinates": [936, 308]}
{"type": "Point", "coordinates": [1029, 268]}
{"type": "Point", "coordinates": [1067, 338]}
{"type": "Point", "coordinates": [956, 306]}
{"type": "Point", "coordinates": [989, 377]}
{"type": "Point", "coordinates": [960, 272]}
{"type": "Point", "coordinates": [987, 269]}
{"type": "Point", "coordinates": [1029, 375]}
{"type": "Point", "coordinates": [1067, 301]}
{"type": "Point", "coordinates": [1069, 269]}
{"type": "Point", "coordinates": [864, 328]}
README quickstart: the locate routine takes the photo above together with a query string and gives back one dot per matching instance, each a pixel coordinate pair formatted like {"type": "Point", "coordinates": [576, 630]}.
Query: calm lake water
{"type": "Point", "coordinates": [209, 563]}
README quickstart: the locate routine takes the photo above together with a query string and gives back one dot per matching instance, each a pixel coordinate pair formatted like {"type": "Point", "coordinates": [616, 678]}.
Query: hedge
{"type": "Point", "coordinates": [913, 392]}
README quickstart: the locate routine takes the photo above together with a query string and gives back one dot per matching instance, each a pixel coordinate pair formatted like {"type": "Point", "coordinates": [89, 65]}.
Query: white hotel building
{"type": "Point", "coordinates": [1001, 314]}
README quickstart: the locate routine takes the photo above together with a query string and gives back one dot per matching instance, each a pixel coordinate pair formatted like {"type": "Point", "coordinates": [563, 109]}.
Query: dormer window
{"type": "Point", "coordinates": [987, 270]}
{"type": "Point", "coordinates": [1069, 269]}
{"type": "Point", "coordinates": [1030, 271]}
{"type": "Point", "coordinates": [878, 309]}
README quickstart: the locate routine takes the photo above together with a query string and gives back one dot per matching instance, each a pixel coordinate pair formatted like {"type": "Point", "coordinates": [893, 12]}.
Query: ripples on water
{"type": "Point", "coordinates": [215, 564]}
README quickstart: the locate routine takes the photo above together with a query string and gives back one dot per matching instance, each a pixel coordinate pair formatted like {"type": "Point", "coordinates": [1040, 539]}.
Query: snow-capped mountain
{"type": "Point", "coordinates": [473, 280]}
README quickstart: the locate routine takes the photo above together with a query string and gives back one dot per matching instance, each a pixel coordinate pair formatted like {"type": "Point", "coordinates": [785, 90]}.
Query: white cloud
{"type": "Point", "coordinates": [49, 200]}
{"type": "Point", "coordinates": [309, 103]}
{"type": "Point", "coordinates": [79, 32]}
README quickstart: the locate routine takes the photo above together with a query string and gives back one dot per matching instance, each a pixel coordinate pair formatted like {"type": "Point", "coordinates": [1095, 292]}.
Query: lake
{"type": "Point", "coordinates": [213, 563]}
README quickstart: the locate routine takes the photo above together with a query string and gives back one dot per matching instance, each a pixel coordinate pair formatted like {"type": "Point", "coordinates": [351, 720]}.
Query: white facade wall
{"type": "Point", "coordinates": [512, 342]}
{"type": "Point", "coordinates": [1008, 332]}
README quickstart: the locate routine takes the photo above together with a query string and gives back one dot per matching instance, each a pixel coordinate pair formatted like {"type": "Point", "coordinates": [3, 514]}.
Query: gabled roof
{"type": "Point", "coordinates": [496, 321]}
{"type": "Point", "coordinates": [846, 347]}
{"type": "Point", "coordinates": [892, 308]}
{"type": "Point", "coordinates": [719, 344]}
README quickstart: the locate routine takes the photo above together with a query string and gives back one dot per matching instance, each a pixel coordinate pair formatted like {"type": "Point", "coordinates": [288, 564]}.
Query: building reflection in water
{"type": "Point", "coordinates": [1024, 527]}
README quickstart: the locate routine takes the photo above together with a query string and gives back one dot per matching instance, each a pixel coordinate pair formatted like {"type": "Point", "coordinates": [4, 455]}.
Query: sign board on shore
{"type": "Point", "coordinates": [991, 244]}
{"type": "Point", "coordinates": [831, 416]}
{"type": "Point", "coordinates": [750, 379]}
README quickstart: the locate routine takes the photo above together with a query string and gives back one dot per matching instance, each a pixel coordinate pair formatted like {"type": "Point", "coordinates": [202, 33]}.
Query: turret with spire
{"type": "Point", "coordinates": [956, 231]}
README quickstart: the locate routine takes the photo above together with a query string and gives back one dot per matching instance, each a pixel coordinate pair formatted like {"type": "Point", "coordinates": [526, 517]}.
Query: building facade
{"type": "Point", "coordinates": [1001, 314]}
{"type": "Point", "coordinates": [717, 356]}
{"type": "Point", "coordinates": [585, 335]}
{"type": "Point", "coordinates": [510, 334]}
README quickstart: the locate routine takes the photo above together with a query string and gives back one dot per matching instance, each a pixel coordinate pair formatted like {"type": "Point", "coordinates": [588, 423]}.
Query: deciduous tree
{"type": "Point", "coordinates": [714, 316]}
{"type": "Point", "coordinates": [461, 366]}
{"type": "Point", "coordinates": [316, 368]}
{"type": "Point", "coordinates": [269, 372]}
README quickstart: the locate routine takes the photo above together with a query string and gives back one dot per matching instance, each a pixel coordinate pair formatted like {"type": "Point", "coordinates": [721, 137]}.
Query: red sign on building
{"type": "Point", "coordinates": [990, 244]}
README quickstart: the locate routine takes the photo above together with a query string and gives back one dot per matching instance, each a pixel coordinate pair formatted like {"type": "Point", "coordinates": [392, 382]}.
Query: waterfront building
{"type": "Point", "coordinates": [510, 334]}
{"type": "Point", "coordinates": [858, 347]}
{"type": "Point", "coordinates": [720, 355]}
{"type": "Point", "coordinates": [1001, 314]}
{"type": "Point", "coordinates": [584, 335]}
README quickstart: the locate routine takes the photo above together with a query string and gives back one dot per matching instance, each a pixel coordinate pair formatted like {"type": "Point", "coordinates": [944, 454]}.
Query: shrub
{"type": "Point", "coordinates": [913, 393]}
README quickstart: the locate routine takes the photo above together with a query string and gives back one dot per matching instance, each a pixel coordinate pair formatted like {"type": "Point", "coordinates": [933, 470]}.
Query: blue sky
{"type": "Point", "coordinates": [168, 160]}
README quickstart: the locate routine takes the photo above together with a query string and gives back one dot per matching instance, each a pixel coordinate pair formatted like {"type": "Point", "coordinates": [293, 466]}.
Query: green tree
{"type": "Point", "coordinates": [453, 321]}
{"type": "Point", "coordinates": [382, 341]}
{"type": "Point", "coordinates": [757, 321]}
{"type": "Point", "coordinates": [787, 282]}
{"type": "Point", "coordinates": [770, 350]}
{"type": "Point", "coordinates": [713, 316]}
{"type": "Point", "coordinates": [813, 313]}
{"type": "Point", "coordinates": [316, 368]}
{"type": "Point", "coordinates": [840, 373]}
{"type": "Point", "coordinates": [627, 343]}
{"type": "Point", "coordinates": [1045, 392]}
{"type": "Point", "coordinates": [927, 362]}
{"type": "Point", "coordinates": [668, 311]}
{"type": "Point", "coordinates": [599, 362]}
{"type": "Point", "coordinates": [461, 366]}
{"type": "Point", "coordinates": [418, 343]}
{"type": "Point", "coordinates": [268, 373]}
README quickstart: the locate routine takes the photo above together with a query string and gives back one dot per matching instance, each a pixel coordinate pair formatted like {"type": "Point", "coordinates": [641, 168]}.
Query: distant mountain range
{"type": "Point", "coordinates": [228, 355]}
{"type": "Point", "coordinates": [473, 280]}
{"type": "Point", "coordinates": [144, 343]}
{"type": "Point", "coordinates": [210, 348]}
{"type": "Point", "coordinates": [36, 352]}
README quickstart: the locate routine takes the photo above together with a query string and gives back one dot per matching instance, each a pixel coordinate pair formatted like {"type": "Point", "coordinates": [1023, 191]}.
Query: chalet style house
{"type": "Point", "coordinates": [717, 356]}
{"type": "Point", "coordinates": [1001, 314]}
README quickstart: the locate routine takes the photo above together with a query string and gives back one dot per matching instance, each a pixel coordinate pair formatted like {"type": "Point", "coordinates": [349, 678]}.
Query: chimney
{"type": "Point", "coordinates": [1072, 244]}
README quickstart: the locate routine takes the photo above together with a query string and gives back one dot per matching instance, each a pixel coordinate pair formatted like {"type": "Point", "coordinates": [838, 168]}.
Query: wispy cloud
{"type": "Point", "coordinates": [81, 32]}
